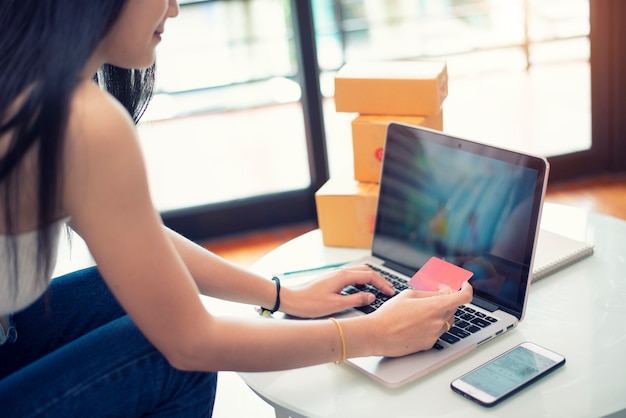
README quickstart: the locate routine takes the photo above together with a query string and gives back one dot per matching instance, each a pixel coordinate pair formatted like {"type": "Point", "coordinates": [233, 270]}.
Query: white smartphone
{"type": "Point", "coordinates": [507, 374]}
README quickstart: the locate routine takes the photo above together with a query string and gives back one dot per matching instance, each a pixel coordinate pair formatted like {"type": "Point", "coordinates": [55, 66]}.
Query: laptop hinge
{"type": "Point", "coordinates": [484, 304]}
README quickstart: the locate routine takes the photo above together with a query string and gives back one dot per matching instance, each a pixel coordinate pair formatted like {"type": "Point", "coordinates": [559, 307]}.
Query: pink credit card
{"type": "Point", "coordinates": [438, 274]}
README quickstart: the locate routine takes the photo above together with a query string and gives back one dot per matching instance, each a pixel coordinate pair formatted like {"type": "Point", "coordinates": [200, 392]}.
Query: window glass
{"type": "Point", "coordinates": [518, 70]}
{"type": "Point", "coordinates": [226, 121]}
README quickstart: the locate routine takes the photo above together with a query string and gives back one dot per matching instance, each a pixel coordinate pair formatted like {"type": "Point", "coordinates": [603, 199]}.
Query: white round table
{"type": "Point", "coordinates": [579, 312]}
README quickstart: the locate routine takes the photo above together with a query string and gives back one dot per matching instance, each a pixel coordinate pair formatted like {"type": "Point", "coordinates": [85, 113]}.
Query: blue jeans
{"type": "Point", "coordinates": [78, 354]}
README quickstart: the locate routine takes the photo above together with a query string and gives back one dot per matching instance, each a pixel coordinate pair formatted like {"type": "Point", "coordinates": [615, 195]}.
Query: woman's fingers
{"type": "Point", "coordinates": [359, 275]}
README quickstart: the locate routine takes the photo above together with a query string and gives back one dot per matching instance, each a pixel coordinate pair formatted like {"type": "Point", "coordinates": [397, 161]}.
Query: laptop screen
{"type": "Point", "coordinates": [473, 205]}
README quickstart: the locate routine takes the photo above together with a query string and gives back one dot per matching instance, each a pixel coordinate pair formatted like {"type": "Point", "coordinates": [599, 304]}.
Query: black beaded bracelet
{"type": "Point", "coordinates": [277, 304]}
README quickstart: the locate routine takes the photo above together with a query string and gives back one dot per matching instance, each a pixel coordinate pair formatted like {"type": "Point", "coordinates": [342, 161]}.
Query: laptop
{"type": "Point", "coordinates": [473, 205]}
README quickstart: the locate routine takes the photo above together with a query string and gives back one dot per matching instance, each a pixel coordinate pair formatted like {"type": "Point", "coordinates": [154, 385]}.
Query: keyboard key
{"type": "Point", "coordinates": [461, 324]}
{"type": "Point", "coordinates": [366, 309]}
{"type": "Point", "coordinates": [473, 329]}
{"type": "Point", "coordinates": [458, 332]}
{"type": "Point", "coordinates": [467, 317]}
{"type": "Point", "coordinates": [480, 322]}
{"type": "Point", "coordinates": [438, 346]}
{"type": "Point", "coordinates": [449, 338]}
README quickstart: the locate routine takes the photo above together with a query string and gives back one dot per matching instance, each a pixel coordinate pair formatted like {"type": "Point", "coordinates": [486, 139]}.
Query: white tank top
{"type": "Point", "coordinates": [31, 281]}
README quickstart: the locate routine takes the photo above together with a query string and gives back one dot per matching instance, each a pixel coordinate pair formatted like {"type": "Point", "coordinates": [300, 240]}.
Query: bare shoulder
{"type": "Point", "coordinates": [103, 159]}
{"type": "Point", "coordinates": [97, 116]}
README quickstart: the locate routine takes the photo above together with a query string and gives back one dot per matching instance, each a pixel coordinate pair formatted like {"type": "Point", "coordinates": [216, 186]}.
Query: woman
{"type": "Point", "coordinates": [132, 337]}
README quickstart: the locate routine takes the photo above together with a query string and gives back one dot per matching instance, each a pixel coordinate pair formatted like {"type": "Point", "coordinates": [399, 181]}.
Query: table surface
{"type": "Point", "coordinates": [578, 312]}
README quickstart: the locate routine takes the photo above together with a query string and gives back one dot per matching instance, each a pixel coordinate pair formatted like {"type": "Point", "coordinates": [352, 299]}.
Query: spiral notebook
{"type": "Point", "coordinates": [555, 252]}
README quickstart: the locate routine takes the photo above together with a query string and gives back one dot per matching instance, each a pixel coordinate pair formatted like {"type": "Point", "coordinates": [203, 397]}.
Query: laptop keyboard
{"type": "Point", "coordinates": [467, 320]}
{"type": "Point", "coordinates": [398, 284]}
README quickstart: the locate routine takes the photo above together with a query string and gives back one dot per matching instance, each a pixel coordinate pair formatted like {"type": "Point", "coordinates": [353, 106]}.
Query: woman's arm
{"type": "Point", "coordinates": [152, 273]}
{"type": "Point", "coordinates": [219, 278]}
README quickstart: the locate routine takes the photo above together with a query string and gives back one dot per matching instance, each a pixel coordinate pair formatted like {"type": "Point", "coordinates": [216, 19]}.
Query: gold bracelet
{"type": "Point", "coordinates": [343, 341]}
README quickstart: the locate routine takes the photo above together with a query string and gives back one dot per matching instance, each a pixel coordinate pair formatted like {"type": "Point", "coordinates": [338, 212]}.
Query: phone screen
{"type": "Point", "coordinates": [507, 373]}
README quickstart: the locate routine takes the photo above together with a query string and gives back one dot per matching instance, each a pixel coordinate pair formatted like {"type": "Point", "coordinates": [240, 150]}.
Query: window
{"type": "Point", "coordinates": [243, 130]}
{"type": "Point", "coordinates": [519, 73]}
{"type": "Point", "coordinates": [226, 121]}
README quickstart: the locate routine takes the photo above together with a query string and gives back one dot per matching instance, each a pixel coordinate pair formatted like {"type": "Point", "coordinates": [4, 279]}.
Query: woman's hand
{"type": "Point", "coordinates": [322, 296]}
{"type": "Point", "coordinates": [410, 322]}
{"type": "Point", "coordinates": [414, 320]}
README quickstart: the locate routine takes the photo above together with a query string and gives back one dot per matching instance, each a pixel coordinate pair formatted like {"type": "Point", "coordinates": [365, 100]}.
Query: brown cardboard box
{"type": "Point", "coordinates": [402, 88]}
{"type": "Point", "coordinates": [346, 212]}
{"type": "Point", "coordinates": [368, 140]}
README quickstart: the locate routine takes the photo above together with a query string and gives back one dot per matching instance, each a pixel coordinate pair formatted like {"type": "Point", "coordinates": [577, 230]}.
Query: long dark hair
{"type": "Point", "coordinates": [44, 46]}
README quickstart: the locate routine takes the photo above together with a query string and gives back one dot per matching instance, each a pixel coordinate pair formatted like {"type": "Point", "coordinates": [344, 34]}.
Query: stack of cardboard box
{"type": "Point", "coordinates": [410, 92]}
